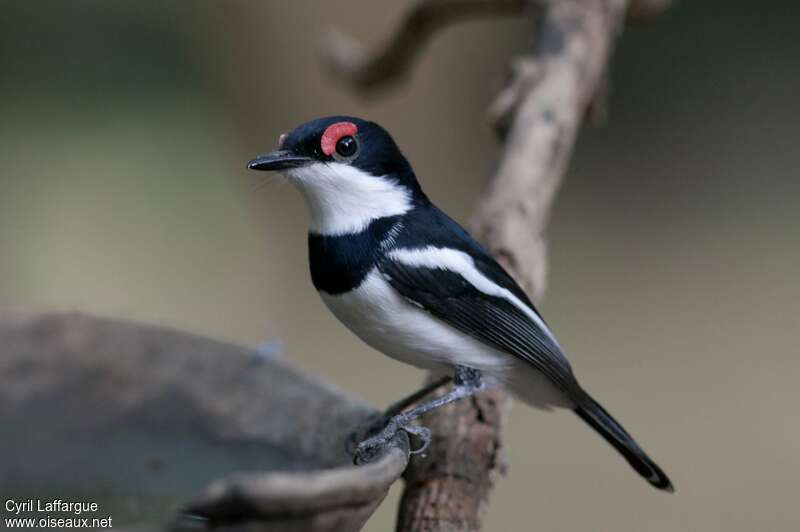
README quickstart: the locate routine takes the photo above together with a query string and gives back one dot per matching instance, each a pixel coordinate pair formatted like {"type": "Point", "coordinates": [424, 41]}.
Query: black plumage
{"type": "Point", "coordinates": [498, 314]}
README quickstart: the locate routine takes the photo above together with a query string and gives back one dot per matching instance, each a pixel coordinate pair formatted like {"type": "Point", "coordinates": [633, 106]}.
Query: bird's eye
{"type": "Point", "coordinates": [339, 140]}
{"type": "Point", "coordinates": [346, 146]}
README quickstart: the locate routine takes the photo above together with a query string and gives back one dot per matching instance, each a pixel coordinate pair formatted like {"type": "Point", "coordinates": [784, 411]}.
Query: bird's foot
{"type": "Point", "coordinates": [468, 378]}
{"type": "Point", "coordinates": [371, 426]}
{"type": "Point", "coordinates": [370, 448]}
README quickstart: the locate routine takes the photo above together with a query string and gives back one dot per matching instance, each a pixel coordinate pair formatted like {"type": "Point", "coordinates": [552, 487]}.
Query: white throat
{"type": "Point", "coordinates": [343, 199]}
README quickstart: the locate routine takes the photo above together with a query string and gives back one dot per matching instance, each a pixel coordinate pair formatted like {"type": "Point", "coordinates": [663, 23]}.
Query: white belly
{"type": "Point", "coordinates": [382, 318]}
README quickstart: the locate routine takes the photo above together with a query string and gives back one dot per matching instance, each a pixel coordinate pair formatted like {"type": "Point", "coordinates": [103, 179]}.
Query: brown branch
{"type": "Point", "coordinates": [350, 61]}
{"type": "Point", "coordinates": [538, 115]}
{"type": "Point", "coordinates": [448, 489]}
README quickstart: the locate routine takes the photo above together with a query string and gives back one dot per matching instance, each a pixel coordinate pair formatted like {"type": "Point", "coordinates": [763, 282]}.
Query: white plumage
{"type": "Point", "coordinates": [343, 199]}
{"type": "Point", "coordinates": [382, 318]}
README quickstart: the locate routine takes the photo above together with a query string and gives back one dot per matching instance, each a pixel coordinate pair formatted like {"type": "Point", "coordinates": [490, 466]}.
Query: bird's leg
{"type": "Point", "coordinates": [378, 421]}
{"type": "Point", "coordinates": [466, 381]}
{"type": "Point", "coordinates": [405, 402]}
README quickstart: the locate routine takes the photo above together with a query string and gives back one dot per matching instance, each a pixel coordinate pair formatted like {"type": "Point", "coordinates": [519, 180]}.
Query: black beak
{"type": "Point", "coordinates": [278, 160]}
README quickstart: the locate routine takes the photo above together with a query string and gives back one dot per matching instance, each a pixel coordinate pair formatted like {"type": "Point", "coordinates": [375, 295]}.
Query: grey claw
{"type": "Point", "coordinates": [367, 450]}
{"type": "Point", "coordinates": [424, 434]}
{"type": "Point", "coordinates": [365, 454]}
{"type": "Point", "coordinates": [371, 426]}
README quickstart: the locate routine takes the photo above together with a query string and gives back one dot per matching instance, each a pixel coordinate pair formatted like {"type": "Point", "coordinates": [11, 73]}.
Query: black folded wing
{"type": "Point", "coordinates": [490, 318]}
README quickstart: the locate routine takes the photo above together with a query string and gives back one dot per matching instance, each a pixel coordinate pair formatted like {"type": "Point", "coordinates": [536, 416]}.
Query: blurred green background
{"type": "Point", "coordinates": [124, 132]}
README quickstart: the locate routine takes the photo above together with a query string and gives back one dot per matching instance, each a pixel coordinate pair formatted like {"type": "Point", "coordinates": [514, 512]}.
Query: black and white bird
{"type": "Point", "coordinates": [413, 284]}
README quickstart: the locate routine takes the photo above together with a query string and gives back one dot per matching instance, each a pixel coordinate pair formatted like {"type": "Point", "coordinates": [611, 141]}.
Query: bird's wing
{"type": "Point", "coordinates": [450, 285]}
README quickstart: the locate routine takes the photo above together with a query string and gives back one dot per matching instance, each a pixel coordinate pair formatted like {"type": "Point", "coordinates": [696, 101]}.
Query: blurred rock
{"type": "Point", "coordinates": [163, 428]}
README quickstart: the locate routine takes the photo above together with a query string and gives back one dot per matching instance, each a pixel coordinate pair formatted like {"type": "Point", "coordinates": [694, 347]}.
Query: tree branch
{"type": "Point", "coordinates": [350, 61]}
{"type": "Point", "coordinates": [538, 115]}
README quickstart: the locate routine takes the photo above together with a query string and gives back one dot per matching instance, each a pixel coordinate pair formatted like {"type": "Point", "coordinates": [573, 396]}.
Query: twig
{"type": "Point", "coordinates": [350, 61]}
{"type": "Point", "coordinates": [538, 115]}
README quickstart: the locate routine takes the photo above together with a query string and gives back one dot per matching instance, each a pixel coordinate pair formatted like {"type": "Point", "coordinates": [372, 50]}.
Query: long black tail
{"type": "Point", "coordinates": [596, 416]}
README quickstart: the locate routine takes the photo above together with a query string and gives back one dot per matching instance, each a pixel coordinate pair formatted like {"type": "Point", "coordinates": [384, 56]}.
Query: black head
{"type": "Point", "coordinates": [340, 139]}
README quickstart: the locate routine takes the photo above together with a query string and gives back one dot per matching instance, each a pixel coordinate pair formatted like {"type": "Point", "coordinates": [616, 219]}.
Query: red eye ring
{"type": "Point", "coordinates": [333, 133]}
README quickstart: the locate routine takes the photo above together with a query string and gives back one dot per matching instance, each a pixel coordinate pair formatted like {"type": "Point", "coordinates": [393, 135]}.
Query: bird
{"type": "Point", "coordinates": [413, 284]}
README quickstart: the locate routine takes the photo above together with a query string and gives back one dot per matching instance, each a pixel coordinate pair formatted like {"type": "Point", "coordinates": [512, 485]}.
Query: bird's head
{"type": "Point", "coordinates": [349, 170]}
